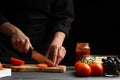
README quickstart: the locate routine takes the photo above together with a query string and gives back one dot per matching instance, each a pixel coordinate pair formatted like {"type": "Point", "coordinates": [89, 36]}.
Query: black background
{"type": "Point", "coordinates": [96, 22]}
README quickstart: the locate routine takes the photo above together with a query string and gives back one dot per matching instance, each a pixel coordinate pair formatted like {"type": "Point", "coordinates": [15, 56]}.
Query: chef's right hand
{"type": "Point", "coordinates": [20, 42]}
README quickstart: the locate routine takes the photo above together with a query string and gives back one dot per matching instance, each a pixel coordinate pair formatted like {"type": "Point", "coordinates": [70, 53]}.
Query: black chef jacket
{"type": "Point", "coordinates": [38, 19]}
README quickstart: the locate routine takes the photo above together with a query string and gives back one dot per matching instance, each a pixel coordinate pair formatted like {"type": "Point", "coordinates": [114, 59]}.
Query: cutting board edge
{"type": "Point", "coordinates": [59, 69]}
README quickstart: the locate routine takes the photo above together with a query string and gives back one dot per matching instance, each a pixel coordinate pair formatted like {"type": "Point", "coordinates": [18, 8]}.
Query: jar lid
{"type": "Point", "coordinates": [83, 44]}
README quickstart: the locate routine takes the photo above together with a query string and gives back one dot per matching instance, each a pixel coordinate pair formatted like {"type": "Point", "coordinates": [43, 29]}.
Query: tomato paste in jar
{"type": "Point", "coordinates": [82, 50]}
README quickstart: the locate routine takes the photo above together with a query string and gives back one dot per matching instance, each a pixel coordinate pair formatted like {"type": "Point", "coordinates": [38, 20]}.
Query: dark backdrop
{"type": "Point", "coordinates": [96, 22]}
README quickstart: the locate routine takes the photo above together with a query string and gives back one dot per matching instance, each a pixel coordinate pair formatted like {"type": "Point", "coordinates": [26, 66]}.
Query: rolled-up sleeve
{"type": "Point", "coordinates": [62, 15]}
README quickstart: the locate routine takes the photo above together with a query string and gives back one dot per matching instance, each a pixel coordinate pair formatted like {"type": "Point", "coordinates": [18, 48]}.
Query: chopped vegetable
{"type": "Point", "coordinates": [16, 62]}
{"type": "Point", "coordinates": [42, 65]}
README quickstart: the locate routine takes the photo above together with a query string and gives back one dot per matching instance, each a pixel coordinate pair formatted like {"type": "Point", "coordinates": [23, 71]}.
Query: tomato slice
{"type": "Point", "coordinates": [42, 65]}
{"type": "Point", "coordinates": [1, 67]}
{"type": "Point", "coordinates": [16, 62]}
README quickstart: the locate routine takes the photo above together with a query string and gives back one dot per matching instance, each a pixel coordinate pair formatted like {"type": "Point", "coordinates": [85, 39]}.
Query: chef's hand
{"type": "Point", "coordinates": [56, 51]}
{"type": "Point", "coordinates": [20, 42]}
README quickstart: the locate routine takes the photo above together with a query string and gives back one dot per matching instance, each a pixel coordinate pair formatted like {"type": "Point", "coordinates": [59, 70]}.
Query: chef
{"type": "Point", "coordinates": [42, 25]}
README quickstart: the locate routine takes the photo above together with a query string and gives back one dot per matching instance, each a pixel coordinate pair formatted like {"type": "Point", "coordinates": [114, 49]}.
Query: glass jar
{"type": "Point", "coordinates": [82, 50]}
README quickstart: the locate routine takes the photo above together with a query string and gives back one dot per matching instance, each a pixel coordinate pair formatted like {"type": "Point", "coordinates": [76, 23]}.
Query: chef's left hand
{"type": "Point", "coordinates": [56, 52]}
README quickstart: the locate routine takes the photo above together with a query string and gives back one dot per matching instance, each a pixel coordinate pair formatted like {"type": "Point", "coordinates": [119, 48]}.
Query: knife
{"type": "Point", "coordinates": [40, 58]}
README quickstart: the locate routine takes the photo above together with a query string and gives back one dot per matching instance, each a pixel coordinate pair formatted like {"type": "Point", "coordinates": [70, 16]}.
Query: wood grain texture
{"type": "Point", "coordinates": [33, 68]}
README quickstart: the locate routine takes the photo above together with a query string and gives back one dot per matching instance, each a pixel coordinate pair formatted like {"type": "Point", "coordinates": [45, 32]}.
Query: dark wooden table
{"type": "Point", "coordinates": [68, 75]}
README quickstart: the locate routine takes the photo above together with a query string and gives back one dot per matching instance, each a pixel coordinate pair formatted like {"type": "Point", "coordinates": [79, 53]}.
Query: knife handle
{"type": "Point", "coordinates": [30, 50]}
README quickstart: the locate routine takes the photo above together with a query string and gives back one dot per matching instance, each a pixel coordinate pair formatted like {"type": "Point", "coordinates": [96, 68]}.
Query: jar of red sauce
{"type": "Point", "coordinates": [82, 50]}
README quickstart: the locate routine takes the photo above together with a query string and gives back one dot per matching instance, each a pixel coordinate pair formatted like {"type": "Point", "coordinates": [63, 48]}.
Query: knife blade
{"type": "Point", "coordinates": [40, 58]}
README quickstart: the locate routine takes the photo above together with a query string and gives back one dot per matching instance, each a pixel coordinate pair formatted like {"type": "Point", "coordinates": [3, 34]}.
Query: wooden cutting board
{"type": "Point", "coordinates": [33, 68]}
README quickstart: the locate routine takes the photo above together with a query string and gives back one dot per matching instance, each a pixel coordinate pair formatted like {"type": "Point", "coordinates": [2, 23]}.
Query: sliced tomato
{"type": "Point", "coordinates": [16, 62]}
{"type": "Point", "coordinates": [42, 65]}
{"type": "Point", "coordinates": [1, 67]}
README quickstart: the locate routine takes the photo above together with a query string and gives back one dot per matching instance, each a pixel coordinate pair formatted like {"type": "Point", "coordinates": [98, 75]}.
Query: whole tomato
{"type": "Point", "coordinates": [82, 69]}
{"type": "Point", "coordinates": [76, 65]}
{"type": "Point", "coordinates": [97, 69]}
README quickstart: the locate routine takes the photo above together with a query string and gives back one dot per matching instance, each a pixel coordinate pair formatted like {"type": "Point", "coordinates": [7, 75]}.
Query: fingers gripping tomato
{"type": "Point", "coordinates": [82, 69]}
{"type": "Point", "coordinates": [97, 69]}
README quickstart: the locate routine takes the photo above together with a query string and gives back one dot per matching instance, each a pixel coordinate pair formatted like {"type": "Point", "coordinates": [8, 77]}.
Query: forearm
{"type": "Point", "coordinates": [56, 49]}
{"type": "Point", "coordinates": [58, 38]}
{"type": "Point", "coordinates": [8, 28]}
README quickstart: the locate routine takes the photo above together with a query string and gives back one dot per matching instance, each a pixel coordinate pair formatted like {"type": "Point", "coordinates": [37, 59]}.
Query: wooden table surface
{"type": "Point", "coordinates": [68, 75]}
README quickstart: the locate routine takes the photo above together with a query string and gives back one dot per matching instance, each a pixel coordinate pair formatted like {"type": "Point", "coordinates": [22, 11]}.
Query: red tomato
{"type": "Point", "coordinates": [1, 67]}
{"type": "Point", "coordinates": [76, 65]}
{"type": "Point", "coordinates": [16, 62]}
{"type": "Point", "coordinates": [42, 65]}
{"type": "Point", "coordinates": [97, 69]}
{"type": "Point", "coordinates": [82, 69]}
